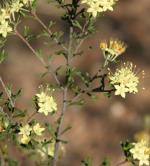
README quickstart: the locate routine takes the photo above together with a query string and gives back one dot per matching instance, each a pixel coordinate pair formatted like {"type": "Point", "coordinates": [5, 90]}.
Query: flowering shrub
{"type": "Point", "coordinates": [44, 140]}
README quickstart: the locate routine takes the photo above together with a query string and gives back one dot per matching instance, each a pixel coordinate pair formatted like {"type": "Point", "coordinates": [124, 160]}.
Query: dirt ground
{"type": "Point", "coordinates": [98, 128]}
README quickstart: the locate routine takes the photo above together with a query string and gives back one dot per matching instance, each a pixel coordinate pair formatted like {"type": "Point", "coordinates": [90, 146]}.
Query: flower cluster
{"type": "Point", "coordinates": [141, 152]}
{"type": "Point", "coordinates": [7, 15]}
{"type": "Point", "coordinates": [125, 80]}
{"type": "Point", "coordinates": [112, 49]}
{"type": "Point", "coordinates": [46, 103]}
{"type": "Point", "coordinates": [98, 6]}
{"type": "Point", "coordinates": [27, 131]}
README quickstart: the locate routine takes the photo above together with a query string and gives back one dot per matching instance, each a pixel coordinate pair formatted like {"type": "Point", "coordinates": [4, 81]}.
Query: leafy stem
{"type": "Point", "coordinates": [60, 121]}
{"type": "Point", "coordinates": [47, 29]}
{"type": "Point", "coordinates": [49, 68]}
{"type": "Point", "coordinates": [59, 127]}
{"type": "Point", "coordinates": [121, 163]}
{"type": "Point", "coordinates": [7, 92]}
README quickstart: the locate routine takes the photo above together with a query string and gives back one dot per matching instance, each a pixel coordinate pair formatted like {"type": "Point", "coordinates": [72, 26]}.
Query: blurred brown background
{"type": "Point", "coordinates": [102, 124]}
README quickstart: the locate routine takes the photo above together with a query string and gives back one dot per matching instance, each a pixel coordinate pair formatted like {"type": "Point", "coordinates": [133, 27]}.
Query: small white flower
{"type": "Point", "coordinates": [26, 2]}
{"type": "Point", "coordinates": [25, 130]}
{"type": "Point", "coordinates": [141, 152]}
{"type": "Point", "coordinates": [46, 103]}
{"type": "Point", "coordinates": [37, 129]}
{"type": "Point", "coordinates": [16, 6]}
{"type": "Point", "coordinates": [121, 90]}
{"type": "Point", "coordinates": [94, 9]}
{"type": "Point", "coordinates": [4, 14]}
{"type": "Point", "coordinates": [98, 6]}
{"type": "Point", "coordinates": [24, 139]}
{"type": "Point", "coordinates": [7, 15]}
{"type": "Point", "coordinates": [5, 28]}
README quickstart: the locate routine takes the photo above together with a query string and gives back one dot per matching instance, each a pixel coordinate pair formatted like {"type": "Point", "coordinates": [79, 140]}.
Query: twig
{"type": "Point", "coordinates": [47, 29]}
{"type": "Point", "coordinates": [95, 90]}
{"type": "Point", "coordinates": [59, 127]}
{"type": "Point", "coordinates": [70, 45]}
{"type": "Point", "coordinates": [31, 116]}
{"type": "Point", "coordinates": [81, 41]}
{"type": "Point", "coordinates": [49, 68]}
{"type": "Point", "coordinates": [7, 92]}
{"type": "Point", "coordinates": [30, 47]}
{"type": "Point", "coordinates": [121, 163]}
{"type": "Point", "coordinates": [60, 122]}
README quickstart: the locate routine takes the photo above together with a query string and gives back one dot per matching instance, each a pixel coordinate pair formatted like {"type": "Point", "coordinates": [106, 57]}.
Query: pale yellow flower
{"type": "Point", "coordinates": [125, 80]}
{"type": "Point", "coordinates": [98, 6]}
{"type": "Point", "coordinates": [141, 152]}
{"type": "Point", "coordinates": [37, 129]}
{"type": "Point", "coordinates": [24, 139]}
{"type": "Point", "coordinates": [16, 6]}
{"type": "Point", "coordinates": [121, 90]}
{"type": "Point", "coordinates": [107, 4]}
{"type": "Point", "coordinates": [94, 9]}
{"type": "Point", "coordinates": [27, 2]}
{"type": "Point", "coordinates": [7, 15]}
{"type": "Point", "coordinates": [87, 1]}
{"type": "Point", "coordinates": [25, 130]}
{"type": "Point", "coordinates": [46, 103]}
{"type": "Point", "coordinates": [47, 150]}
{"type": "Point", "coordinates": [5, 29]}
{"type": "Point", "coordinates": [42, 97]}
{"type": "Point", "coordinates": [4, 14]}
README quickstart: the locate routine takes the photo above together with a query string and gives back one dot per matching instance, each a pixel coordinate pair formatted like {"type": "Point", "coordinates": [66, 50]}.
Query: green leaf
{"type": "Point", "coordinates": [1, 95]}
{"type": "Point", "coordinates": [50, 129]}
{"type": "Point", "coordinates": [62, 141]}
{"type": "Point", "coordinates": [3, 56]}
{"type": "Point", "coordinates": [105, 163]}
{"type": "Point", "coordinates": [87, 162]}
{"type": "Point", "coordinates": [34, 4]}
{"type": "Point", "coordinates": [126, 146]}
{"type": "Point", "coordinates": [19, 113]}
{"type": "Point", "coordinates": [51, 23]}
{"type": "Point", "coordinates": [66, 129]}
{"type": "Point", "coordinates": [77, 24]}
{"type": "Point", "coordinates": [17, 94]}
{"type": "Point", "coordinates": [80, 102]}
{"type": "Point", "coordinates": [26, 30]}
{"type": "Point", "coordinates": [3, 135]}
{"type": "Point", "coordinates": [12, 162]}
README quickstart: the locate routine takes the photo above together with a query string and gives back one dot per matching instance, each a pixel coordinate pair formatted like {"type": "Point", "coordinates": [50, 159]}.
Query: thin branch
{"type": "Point", "coordinates": [70, 45]}
{"type": "Point", "coordinates": [30, 47]}
{"type": "Point", "coordinates": [95, 90]}
{"type": "Point", "coordinates": [7, 92]}
{"type": "Point", "coordinates": [59, 127]}
{"type": "Point", "coordinates": [31, 116]}
{"type": "Point", "coordinates": [121, 163]}
{"type": "Point", "coordinates": [47, 29]}
{"type": "Point", "coordinates": [60, 122]}
{"type": "Point", "coordinates": [49, 68]}
{"type": "Point", "coordinates": [82, 40]}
